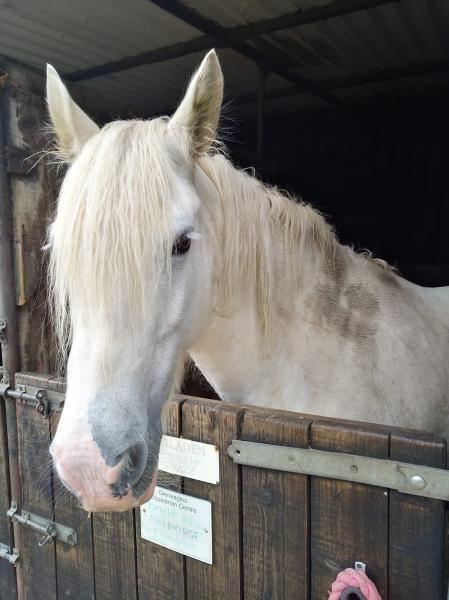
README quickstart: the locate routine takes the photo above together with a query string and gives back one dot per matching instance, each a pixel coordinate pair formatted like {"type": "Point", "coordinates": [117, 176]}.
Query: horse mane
{"type": "Point", "coordinates": [252, 213]}
{"type": "Point", "coordinates": [114, 219]}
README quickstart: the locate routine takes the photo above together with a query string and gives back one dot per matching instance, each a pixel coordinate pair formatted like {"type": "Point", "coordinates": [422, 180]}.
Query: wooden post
{"type": "Point", "coordinates": [348, 521]}
{"type": "Point", "coordinates": [37, 563]}
{"type": "Point", "coordinates": [275, 512]}
{"type": "Point", "coordinates": [416, 553]}
{"type": "Point", "coordinates": [216, 423]}
{"type": "Point", "coordinates": [260, 117]}
{"type": "Point", "coordinates": [160, 571]}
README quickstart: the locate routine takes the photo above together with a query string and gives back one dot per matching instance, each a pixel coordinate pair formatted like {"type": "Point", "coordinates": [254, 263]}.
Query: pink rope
{"type": "Point", "coordinates": [357, 579]}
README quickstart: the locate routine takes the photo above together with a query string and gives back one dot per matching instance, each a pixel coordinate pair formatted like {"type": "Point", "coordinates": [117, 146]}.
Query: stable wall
{"type": "Point", "coordinates": [379, 175]}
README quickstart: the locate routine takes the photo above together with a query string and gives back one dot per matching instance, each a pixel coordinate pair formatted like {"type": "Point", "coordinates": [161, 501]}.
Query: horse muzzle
{"type": "Point", "coordinates": [99, 487]}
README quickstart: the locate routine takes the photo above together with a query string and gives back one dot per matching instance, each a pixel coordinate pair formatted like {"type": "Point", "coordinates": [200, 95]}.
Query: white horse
{"type": "Point", "coordinates": [160, 249]}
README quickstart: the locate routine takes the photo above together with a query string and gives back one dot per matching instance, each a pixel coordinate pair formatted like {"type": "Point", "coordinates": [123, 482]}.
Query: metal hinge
{"type": "Point", "coordinates": [403, 477]}
{"type": "Point", "coordinates": [9, 554]}
{"type": "Point", "coordinates": [48, 528]}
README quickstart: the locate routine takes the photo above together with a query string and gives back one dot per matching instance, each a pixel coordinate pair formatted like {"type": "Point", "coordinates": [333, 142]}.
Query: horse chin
{"type": "Point", "coordinates": [109, 503]}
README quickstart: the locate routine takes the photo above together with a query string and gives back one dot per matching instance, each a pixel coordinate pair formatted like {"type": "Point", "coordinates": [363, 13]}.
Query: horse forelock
{"type": "Point", "coordinates": [112, 233]}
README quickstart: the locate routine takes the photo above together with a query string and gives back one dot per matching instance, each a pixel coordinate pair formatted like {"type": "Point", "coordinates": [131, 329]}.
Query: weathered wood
{"type": "Point", "coordinates": [160, 572]}
{"type": "Point", "coordinates": [8, 589]}
{"type": "Point", "coordinates": [275, 513]}
{"type": "Point", "coordinates": [114, 556]}
{"type": "Point", "coordinates": [269, 539]}
{"type": "Point", "coordinates": [416, 525]}
{"type": "Point", "coordinates": [216, 423]}
{"type": "Point", "coordinates": [32, 187]}
{"type": "Point", "coordinates": [38, 564]}
{"type": "Point", "coordinates": [74, 564]}
{"type": "Point", "coordinates": [349, 521]}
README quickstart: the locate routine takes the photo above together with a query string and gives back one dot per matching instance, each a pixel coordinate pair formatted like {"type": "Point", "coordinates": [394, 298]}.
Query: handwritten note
{"type": "Point", "coordinates": [187, 458]}
{"type": "Point", "coordinates": [179, 522]}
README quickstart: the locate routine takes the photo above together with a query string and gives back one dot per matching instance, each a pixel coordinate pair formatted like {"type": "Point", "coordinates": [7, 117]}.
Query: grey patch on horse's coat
{"type": "Point", "coordinates": [344, 305]}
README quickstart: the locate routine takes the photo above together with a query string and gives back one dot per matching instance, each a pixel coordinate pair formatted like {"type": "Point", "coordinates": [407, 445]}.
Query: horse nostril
{"type": "Point", "coordinates": [134, 463]}
{"type": "Point", "coordinates": [138, 456]}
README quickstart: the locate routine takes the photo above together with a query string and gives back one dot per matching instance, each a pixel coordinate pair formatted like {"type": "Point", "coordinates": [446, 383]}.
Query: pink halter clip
{"type": "Point", "coordinates": [354, 584]}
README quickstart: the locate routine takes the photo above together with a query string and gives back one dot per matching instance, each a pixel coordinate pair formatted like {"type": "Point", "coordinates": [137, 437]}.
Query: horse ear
{"type": "Point", "coordinates": [199, 110]}
{"type": "Point", "coordinates": [72, 127]}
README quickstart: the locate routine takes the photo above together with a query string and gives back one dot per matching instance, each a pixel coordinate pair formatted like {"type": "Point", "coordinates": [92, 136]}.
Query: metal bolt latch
{"type": "Point", "coordinates": [39, 398]}
{"type": "Point", "coordinates": [49, 535]}
{"type": "Point", "coordinates": [48, 529]}
{"type": "Point", "coordinates": [9, 554]}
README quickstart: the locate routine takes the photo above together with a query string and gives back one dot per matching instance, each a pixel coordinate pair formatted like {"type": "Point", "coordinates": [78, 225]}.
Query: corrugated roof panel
{"type": "Point", "coordinates": [387, 36]}
{"type": "Point", "coordinates": [81, 33]}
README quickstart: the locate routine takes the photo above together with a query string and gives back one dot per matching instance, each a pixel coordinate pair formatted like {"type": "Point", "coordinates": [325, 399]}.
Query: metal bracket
{"type": "Point", "coordinates": [9, 554]}
{"type": "Point", "coordinates": [42, 406]}
{"type": "Point", "coordinates": [403, 477]}
{"type": "Point", "coordinates": [5, 386]}
{"type": "Point", "coordinates": [48, 528]}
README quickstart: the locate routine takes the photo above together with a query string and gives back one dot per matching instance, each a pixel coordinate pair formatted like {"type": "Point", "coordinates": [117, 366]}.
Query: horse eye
{"type": "Point", "coordinates": [181, 246]}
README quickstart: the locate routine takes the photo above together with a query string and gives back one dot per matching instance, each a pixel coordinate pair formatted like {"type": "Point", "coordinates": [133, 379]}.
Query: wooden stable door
{"type": "Point", "coordinates": [276, 535]}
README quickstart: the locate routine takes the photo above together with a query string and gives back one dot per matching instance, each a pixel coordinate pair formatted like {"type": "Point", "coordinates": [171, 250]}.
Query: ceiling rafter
{"type": "Point", "coordinates": [380, 76]}
{"type": "Point", "coordinates": [219, 36]}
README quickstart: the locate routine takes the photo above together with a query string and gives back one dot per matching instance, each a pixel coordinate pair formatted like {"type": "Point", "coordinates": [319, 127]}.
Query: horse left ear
{"type": "Point", "coordinates": [199, 110]}
{"type": "Point", "coordinates": [72, 127]}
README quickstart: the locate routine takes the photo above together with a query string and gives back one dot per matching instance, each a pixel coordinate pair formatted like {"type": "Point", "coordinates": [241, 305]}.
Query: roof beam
{"type": "Point", "coordinates": [305, 16]}
{"type": "Point", "coordinates": [234, 36]}
{"type": "Point", "coordinates": [381, 76]}
{"type": "Point", "coordinates": [219, 34]}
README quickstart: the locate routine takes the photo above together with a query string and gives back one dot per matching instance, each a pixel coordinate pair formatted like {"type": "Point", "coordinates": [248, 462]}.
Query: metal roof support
{"type": "Point", "coordinates": [219, 36]}
{"type": "Point", "coordinates": [381, 76]}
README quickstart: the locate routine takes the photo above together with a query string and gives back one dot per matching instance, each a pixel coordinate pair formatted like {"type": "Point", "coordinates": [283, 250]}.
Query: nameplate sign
{"type": "Point", "coordinates": [187, 458]}
{"type": "Point", "coordinates": [179, 522]}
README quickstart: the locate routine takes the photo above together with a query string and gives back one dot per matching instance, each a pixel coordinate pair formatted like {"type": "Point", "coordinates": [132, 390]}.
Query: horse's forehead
{"type": "Point", "coordinates": [185, 203]}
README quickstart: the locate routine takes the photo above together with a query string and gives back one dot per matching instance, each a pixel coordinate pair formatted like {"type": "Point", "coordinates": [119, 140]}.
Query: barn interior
{"type": "Point", "coordinates": [342, 103]}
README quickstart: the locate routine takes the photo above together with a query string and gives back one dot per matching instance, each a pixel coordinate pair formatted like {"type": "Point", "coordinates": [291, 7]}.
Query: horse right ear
{"type": "Point", "coordinates": [72, 127]}
{"type": "Point", "coordinates": [199, 110]}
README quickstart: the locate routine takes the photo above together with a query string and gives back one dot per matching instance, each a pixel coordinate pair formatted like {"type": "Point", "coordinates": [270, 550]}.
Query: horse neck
{"type": "Point", "coordinates": [247, 336]}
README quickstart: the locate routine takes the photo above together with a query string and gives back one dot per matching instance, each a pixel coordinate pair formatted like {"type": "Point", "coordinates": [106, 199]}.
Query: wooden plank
{"type": "Point", "coordinates": [416, 525]}
{"type": "Point", "coordinates": [75, 573]}
{"type": "Point", "coordinates": [38, 564]}
{"type": "Point", "coordinates": [114, 556]}
{"type": "Point", "coordinates": [8, 588]}
{"type": "Point", "coordinates": [349, 521]}
{"type": "Point", "coordinates": [275, 513]}
{"type": "Point", "coordinates": [38, 380]}
{"type": "Point", "coordinates": [160, 572]}
{"type": "Point", "coordinates": [216, 423]}
{"type": "Point", "coordinates": [446, 548]}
